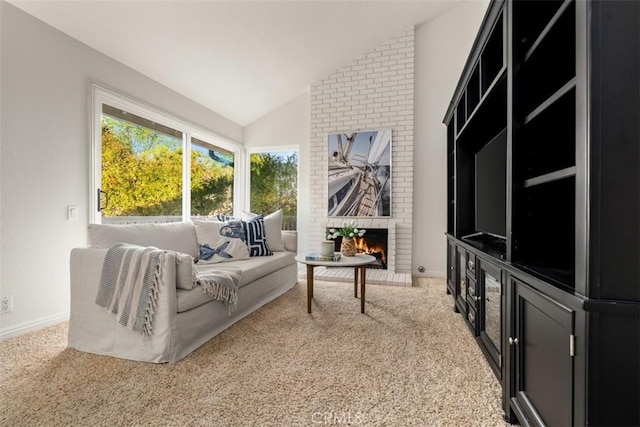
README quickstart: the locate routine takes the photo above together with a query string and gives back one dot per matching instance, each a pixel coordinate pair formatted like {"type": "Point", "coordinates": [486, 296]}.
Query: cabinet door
{"type": "Point", "coordinates": [542, 343]}
{"type": "Point", "coordinates": [461, 278]}
{"type": "Point", "coordinates": [451, 268]}
{"type": "Point", "coordinates": [491, 306]}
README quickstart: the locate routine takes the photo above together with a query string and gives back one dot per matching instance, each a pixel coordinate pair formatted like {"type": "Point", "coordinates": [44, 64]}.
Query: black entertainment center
{"type": "Point", "coordinates": [543, 212]}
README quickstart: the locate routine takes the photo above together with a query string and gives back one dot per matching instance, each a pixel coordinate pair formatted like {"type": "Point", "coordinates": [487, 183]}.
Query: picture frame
{"type": "Point", "coordinates": [359, 173]}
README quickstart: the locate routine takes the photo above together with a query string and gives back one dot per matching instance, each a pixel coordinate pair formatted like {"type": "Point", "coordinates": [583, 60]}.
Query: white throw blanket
{"type": "Point", "coordinates": [129, 285]}
{"type": "Point", "coordinates": [220, 282]}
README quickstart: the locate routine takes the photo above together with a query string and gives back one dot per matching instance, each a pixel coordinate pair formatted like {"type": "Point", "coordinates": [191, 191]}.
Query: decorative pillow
{"type": "Point", "coordinates": [221, 241]}
{"type": "Point", "coordinates": [184, 271]}
{"type": "Point", "coordinates": [224, 218]}
{"type": "Point", "coordinates": [256, 240]}
{"type": "Point", "coordinates": [273, 229]}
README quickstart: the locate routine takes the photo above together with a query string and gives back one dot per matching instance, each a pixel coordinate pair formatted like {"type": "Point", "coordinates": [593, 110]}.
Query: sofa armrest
{"type": "Point", "coordinates": [290, 238]}
{"type": "Point", "coordinates": [93, 329]}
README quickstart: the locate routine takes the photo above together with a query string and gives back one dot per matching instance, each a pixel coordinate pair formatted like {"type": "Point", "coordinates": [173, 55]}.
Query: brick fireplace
{"type": "Point", "coordinates": [375, 91]}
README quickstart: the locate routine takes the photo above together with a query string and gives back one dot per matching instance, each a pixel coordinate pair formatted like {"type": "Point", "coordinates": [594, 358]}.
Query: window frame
{"type": "Point", "coordinates": [267, 149]}
{"type": "Point", "coordinates": [101, 95]}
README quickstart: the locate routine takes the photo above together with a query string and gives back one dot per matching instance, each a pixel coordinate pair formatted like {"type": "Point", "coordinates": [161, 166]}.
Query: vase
{"type": "Point", "coordinates": [327, 248]}
{"type": "Point", "coordinates": [348, 246]}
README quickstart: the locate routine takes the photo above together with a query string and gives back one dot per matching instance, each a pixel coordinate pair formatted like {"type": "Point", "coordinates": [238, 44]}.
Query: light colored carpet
{"type": "Point", "coordinates": [410, 360]}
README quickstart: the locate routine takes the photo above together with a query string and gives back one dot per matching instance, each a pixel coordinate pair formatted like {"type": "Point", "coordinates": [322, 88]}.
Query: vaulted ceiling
{"type": "Point", "coordinates": [240, 59]}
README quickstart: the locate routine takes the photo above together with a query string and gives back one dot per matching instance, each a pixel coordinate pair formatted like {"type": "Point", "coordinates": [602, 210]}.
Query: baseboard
{"type": "Point", "coordinates": [438, 274]}
{"type": "Point", "coordinates": [35, 325]}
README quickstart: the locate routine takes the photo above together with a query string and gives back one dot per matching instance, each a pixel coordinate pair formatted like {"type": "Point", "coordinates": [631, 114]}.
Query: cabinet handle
{"type": "Point", "coordinates": [477, 299]}
{"type": "Point", "coordinates": [513, 341]}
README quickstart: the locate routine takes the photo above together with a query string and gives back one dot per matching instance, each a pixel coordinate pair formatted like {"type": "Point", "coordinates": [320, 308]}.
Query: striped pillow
{"type": "Point", "coordinates": [256, 240]}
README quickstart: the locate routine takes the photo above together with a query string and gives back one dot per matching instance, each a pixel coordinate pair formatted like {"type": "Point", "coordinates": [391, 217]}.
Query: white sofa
{"type": "Point", "coordinates": [184, 319]}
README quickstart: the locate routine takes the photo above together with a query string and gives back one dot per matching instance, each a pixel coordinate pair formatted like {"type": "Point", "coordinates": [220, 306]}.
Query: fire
{"type": "Point", "coordinates": [363, 248]}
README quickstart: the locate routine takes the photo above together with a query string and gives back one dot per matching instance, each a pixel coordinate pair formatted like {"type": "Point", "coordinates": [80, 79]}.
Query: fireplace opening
{"type": "Point", "coordinates": [374, 242]}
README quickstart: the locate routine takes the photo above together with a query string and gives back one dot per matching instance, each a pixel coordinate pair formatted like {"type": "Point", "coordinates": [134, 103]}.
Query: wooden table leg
{"type": "Point", "coordinates": [309, 287]}
{"type": "Point", "coordinates": [363, 274]}
{"type": "Point", "coordinates": [355, 282]}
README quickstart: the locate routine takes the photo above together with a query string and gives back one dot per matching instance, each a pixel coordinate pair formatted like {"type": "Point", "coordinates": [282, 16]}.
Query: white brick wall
{"type": "Point", "coordinates": [376, 91]}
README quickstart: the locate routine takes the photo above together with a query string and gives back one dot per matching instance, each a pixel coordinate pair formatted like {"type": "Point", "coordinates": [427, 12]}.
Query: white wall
{"type": "Point", "coordinates": [44, 167]}
{"type": "Point", "coordinates": [288, 126]}
{"type": "Point", "coordinates": [442, 47]}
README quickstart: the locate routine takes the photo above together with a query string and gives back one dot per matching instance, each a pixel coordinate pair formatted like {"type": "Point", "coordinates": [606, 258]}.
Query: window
{"type": "Point", "coordinates": [274, 184]}
{"type": "Point", "coordinates": [212, 173]}
{"type": "Point", "coordinates": [141, 168]}
{"type": "Point", "coordinates": [152, 167]}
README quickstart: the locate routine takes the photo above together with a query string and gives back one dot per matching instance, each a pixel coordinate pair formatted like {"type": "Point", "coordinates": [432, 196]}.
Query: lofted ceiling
{"type": "Point", "coordinates": [240, 59]}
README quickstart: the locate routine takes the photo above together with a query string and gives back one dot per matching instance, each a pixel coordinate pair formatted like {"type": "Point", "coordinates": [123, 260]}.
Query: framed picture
{"type": "Point", "coordinates": [359, 175]}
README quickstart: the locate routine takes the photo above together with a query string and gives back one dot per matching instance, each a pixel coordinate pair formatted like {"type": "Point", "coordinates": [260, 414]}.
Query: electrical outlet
{"type": "Point", "coordinates": [6, 305]}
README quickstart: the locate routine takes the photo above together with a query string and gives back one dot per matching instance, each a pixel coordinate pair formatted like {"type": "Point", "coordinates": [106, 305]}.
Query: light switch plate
{"type": "Point", "coordinates": [72, 212]}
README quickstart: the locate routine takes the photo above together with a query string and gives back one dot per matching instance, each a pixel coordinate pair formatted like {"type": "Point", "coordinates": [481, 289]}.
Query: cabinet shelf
{"type": "Point", "coordinates": [544, 227]}
{"type": "Point", "coordinates": [492, 57]}
{"type": "Point", "coordinates": [501, 77]}
{"type": "Point", "coordinates": [547, 143]}
{"type": "Point", "coordinates": [545, 67]}
{"type": "Point", "coordinates": [550, 177]}
{"type": "Point", "coordinates": [560, 276]}
{"type": "Point", "coordinates": [473, 91]}
{"type": "Point", "coordinates": [571, 84]}
{"type": "Point", "coordinates": [553, 21]}
{"type": "Point", "coordinates": [461, 116]}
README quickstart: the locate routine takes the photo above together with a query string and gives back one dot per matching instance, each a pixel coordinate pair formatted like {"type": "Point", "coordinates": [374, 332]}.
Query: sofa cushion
{"type": "Point", "coordinates": [272, 228]}
{"type": "Point", "coordinates": [174, 236]}
{"type": "Point", "coordinates": [257, 267]}
{"type": "Point", "coordinates": [192, 298]}
{"type": "Point", "coordinates": [221, 241]}
{"type": "Point", "coordinates": [252, 270]}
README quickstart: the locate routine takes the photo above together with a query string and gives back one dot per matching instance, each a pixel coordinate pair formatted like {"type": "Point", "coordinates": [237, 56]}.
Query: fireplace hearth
{"type": "Point", "coordinates": [374, 242]}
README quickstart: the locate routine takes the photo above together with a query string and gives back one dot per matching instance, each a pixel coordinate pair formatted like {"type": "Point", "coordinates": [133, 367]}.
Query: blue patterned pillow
{"type": "Point", "coordinates": [221, 241]}
{"type": "Point", "coordinates": [256, 240]}
{"type": "Point", "coordinates": [225, 218]}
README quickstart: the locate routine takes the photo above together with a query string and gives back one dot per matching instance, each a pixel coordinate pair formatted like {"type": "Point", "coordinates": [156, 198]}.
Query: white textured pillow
{"type": "Point", "coordinates": [220, 241]}
{"type": "Point", "coordinates": [273, 229]}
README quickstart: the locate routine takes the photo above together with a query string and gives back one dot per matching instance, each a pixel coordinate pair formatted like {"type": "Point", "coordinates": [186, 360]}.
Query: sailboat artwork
{"type": "Point", "coordinates": [360, 174]}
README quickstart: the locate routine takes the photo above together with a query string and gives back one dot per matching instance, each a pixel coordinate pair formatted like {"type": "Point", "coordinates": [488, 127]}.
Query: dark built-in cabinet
{"type": "Point", "coordinates": [543, 212]}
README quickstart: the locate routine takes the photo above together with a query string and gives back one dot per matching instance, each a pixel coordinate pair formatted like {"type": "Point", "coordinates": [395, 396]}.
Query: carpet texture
{"type": "Point", "coordinates": [410, 360]}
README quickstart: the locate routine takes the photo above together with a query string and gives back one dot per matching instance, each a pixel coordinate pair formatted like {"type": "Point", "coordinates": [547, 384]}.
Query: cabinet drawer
{"type": "Point", "coordinates": [472, 319]}
{"type": "Point", "coordinates": [471, 265]}
{"type": "Point", "coordinates": [473, 294]}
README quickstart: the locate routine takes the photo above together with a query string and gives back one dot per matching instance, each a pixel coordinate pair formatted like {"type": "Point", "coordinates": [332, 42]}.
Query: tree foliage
{"type": "Point", "coordinates": [142, 174]}
{"type": "Point", "coordinates": [274, 184]}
